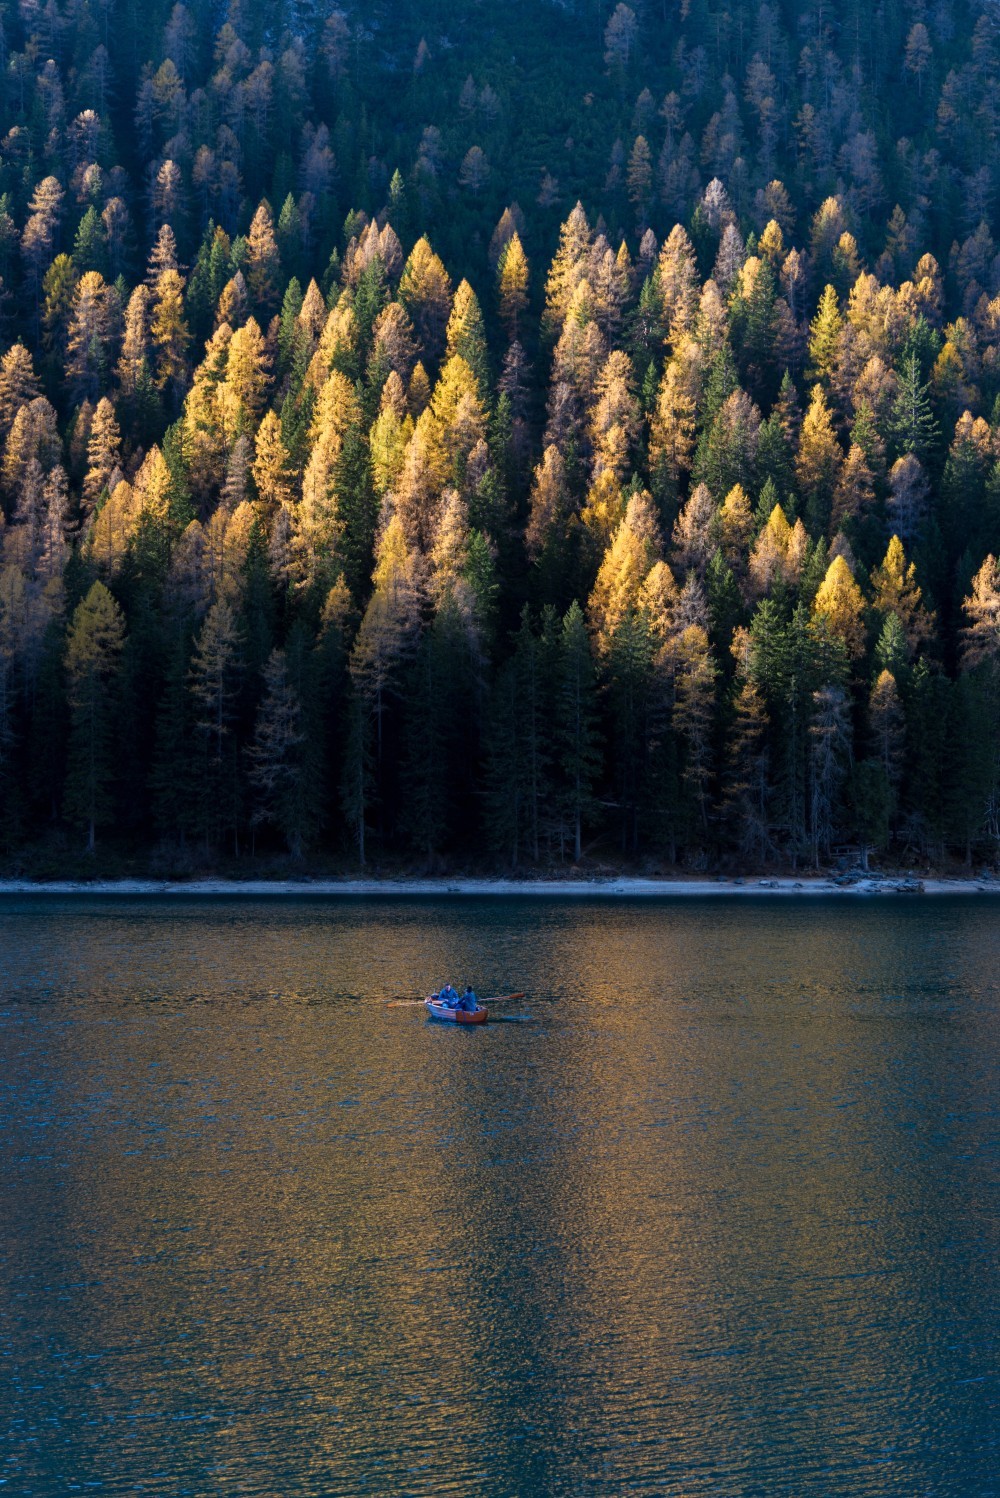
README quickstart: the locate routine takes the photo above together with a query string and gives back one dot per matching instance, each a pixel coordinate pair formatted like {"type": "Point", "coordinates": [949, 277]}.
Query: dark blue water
{"type": "Point", "coordinates": [713, 1212]}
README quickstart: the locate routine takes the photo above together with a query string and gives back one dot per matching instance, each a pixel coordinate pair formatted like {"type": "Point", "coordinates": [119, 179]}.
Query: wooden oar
{"type": "Point", "coordinates": [495, 998]}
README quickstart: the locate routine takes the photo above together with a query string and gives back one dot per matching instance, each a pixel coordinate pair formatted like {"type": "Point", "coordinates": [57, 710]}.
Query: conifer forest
{"type": "Point", "coordinates": [501, 436]}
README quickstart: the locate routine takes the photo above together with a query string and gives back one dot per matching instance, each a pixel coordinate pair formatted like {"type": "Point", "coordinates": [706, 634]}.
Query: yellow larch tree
{"type": "Point", "coordinates": [272, 470]}
{"type": "Point", "coordinates": [513, 277]}
{"type": "Point", "coordinates": [840, 603]}
{"type": "Point", "coordinates": [425, 291]}
{"type": "Point", "coordinates": [981, 637]}
{"type": "Point", "coordinates": [623, 570]}
{"type": "Point", "coordinates": [819, 458]}
{"type": "Point", "coordinates": [170, 334]}
{"type": "Point", "coordinates": [896, 591]}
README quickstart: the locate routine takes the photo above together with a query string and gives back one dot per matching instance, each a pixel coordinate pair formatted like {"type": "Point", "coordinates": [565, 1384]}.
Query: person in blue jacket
{"type": "Point", "coordinates": [468, 1001]}
{"type": "Point", "coordinates": [448, 997]}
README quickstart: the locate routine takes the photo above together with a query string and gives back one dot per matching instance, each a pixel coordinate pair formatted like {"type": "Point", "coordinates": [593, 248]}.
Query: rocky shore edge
{"type": "Point", "coordinates": [551, 889]}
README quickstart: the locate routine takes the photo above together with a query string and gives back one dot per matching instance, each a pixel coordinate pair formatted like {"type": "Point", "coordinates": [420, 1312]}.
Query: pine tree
{"type": "Point", "coordinates": [425, 291]}
{"type": "Point", "coordinates": [727, 451]}
{"type": "Point", "coordinates": [170, 335]}
{"type": "Point", "coordinates": [887, 726]}
{"type": "Point", "coordinates": [829, 760]}
{"type": "Point", "coordinates": [819, 460]}
{"type": "Point", "coordinates": [233, 307]}
{"type": "Point", "coordinates": [578, 741]}
{"type": "Point", "coordinates": [981, 638]}
{"type": "Point", "coordinates": [459, 420]}
{"type": "Point", "coordinates": [241, 395]}
{"type": "Point", "coordinates": [173, 765]}
{"type": "Point", "coordinates": [503, 783]}
{"type": "Point", "coordinates": [782, 665]}
{"type": "Point", "coordinates": [913, 427]}
{"type": "Point", "coordinates": [89, 243]}
{"type": "Point", "coordinates": [12, 604]}
{"type": "Point", "coordinates": [358, 780]}
{"type": "Point", "coordinates": [512, 286]}
{"type": "Point", "coordinates": [273, 474]}
{"type": "Point", "coordinates": [214, 680]}
{"type": "Point", "coordinates": [93, 650]}
{"type": "Point", "coordinates": [18, 384]}
{"type": "Point", "coordinates": [163, 256]}
{"type": "Point", "coordinates": [753, 324]}
{"type": "Point", "coordinates": [840, 604]}
{"type": "Point", "coordinates": [103, 452]}
{"type": "Point", "coordinates": [533, 718]}
{"type": "Point", "coordinates": [437, 767]}
{"type": "Point", "coordinates": [694, 532]}
{"type": "Point", "coordinates": [263, 260]}
{"type": "Point", "coordinates": [963, 483]}
{"type": "Point", "coordinates": [629, 674]}
{"type": "Point", "coordinates": [89, 336]}
{"type": "Point", "coordinates": [59, 288]}
{"type": "Point", "coordinates": [566, 271]}
{"type": "Point", "coordinates": [620, 39]}
{"type": "Point", "coordinates": [390, 625]}
{"type": "Point", "coordinates": [357, 508]}
{"type": "Point", "coordinates": [854, 495]}
{"type": "Point", "coordinates": [550, 535]}
{"type": "Point", "coordinates": [276, 756]}
{"type": "Point", "coordinates": [909, 497]}
{"type": "Point", "coordinates": [745, 776]}
{"type": "Point", "coordinates": [872, 799]}
{"type": "Point", "coordinates": [677, 280]}
{"type": "Point", "coordinates": [897, 594]}
{"type": "Point", "coordinates": [639, 179]}
{"type": "Point", "coordinates": [824, 337]}
{"type": "Point", "coordinates": [466, 336]}
{"type": "Point", "coordinates": [672, 434]}
{"type": "Point", "coordinates": [134, 363]}
{"type": "Point", "coordinates": [694, 710]}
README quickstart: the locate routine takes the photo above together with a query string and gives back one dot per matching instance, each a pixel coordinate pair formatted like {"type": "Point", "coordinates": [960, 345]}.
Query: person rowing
{"type": "Point", "coordinates": [468, 1002]}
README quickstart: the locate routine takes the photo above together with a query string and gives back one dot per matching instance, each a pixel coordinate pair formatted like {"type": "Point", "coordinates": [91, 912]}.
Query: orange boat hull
{"type": "Point", "coordinates": [456, 1016]}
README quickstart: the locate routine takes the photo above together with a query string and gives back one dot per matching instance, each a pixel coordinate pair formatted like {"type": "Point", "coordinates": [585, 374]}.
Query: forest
{"type": "Point", "coordinates": [449, 436]}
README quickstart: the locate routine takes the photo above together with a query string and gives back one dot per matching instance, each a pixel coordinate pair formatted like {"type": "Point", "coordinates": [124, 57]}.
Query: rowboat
{"type": "Point", "coordinates": [440, 1011]}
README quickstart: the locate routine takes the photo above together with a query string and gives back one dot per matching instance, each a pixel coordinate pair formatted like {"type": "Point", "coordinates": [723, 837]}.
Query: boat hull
{"type": "Point", "coordinates": [456, 1016]}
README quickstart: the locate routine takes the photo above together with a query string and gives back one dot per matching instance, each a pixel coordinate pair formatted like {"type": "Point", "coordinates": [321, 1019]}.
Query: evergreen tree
{"type": "Point", "coordinates": [512, 286]}
{"type": "Point", "coordinates": [214, 681]}
{"type": "Point", "coordinates": [745, 778]}
{"type": "Point", "coordinates": [913, 427]}
{"type": "Point", "coordinates": [93, 651]}
{"type": "Point", "coordinates": [578, 741]}
{"type": "Point", "coordinates": [277, 760]}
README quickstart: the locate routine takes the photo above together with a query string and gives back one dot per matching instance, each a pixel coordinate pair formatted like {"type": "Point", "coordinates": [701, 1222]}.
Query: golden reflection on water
{"type": "Point", "coordinates": [672, 1230]}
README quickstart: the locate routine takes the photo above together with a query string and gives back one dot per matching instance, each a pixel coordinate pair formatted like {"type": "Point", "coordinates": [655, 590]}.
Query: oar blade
{"type": "Point", "coordinates": [401, 1001]}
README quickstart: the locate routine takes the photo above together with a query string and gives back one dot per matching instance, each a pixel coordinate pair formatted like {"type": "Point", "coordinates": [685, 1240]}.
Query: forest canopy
{"type": "Point", "coordinates": [508, 435]}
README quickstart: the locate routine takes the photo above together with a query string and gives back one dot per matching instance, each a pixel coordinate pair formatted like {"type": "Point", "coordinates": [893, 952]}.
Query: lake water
{"type": "Point", "coordinates": [714, 1211]}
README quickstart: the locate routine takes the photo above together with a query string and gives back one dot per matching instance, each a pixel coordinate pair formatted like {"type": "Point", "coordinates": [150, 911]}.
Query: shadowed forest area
{"type": "Point", "coordinates": [439, 435]}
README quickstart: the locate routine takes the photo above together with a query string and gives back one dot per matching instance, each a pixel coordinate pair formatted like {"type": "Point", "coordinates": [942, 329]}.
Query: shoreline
{"type": "Point", "coordinates": [550, 889]}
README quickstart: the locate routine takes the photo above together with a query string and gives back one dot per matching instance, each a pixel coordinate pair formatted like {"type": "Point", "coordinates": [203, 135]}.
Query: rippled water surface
{"type": "Point", "coordinates": [713, 1212]}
